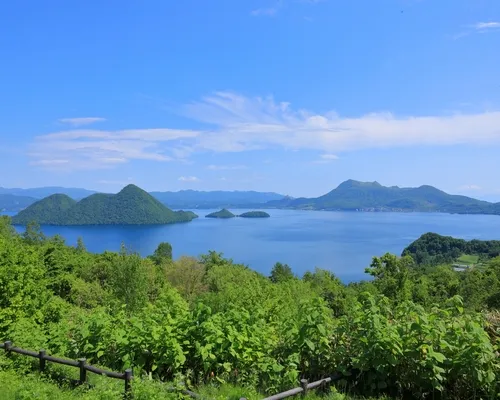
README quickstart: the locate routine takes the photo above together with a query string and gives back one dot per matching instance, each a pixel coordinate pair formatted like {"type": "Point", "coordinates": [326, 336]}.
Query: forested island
{"type": "Point", "coordinates": [224, 214]}
{"type": "Point", "coordinates": [131, 206]}
{"type": "Point", "coordinates": [417, 329]}
{"type": "Point", "coordinates": [254, 214]}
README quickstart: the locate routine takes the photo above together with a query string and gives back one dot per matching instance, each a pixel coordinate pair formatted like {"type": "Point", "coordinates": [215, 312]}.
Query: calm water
{"type": "Point", "coordinates": [342, 242]}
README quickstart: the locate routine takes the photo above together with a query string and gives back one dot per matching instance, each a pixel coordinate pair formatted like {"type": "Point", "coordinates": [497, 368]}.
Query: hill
{"type": "Point", "coordinates": [10, 202]}
{"type": "Point", "coordinates": [42, 192]}
{"type": "Point", "coordinates": [215, 199]}
{"type": "Point", "coordinates": [434, 249]}
{"type": "Point", "coordinates": [353, 195]}
{"type": "Point", "coordinates": [223, 214]}
{"type": "Point", "coordinates": [131, 206]}
{"type": "Point", "coordinates": [255, 214]}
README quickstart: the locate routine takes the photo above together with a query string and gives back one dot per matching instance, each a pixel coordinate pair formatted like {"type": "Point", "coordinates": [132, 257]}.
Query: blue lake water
{"type": "Point", "coordinates": [342, 242]}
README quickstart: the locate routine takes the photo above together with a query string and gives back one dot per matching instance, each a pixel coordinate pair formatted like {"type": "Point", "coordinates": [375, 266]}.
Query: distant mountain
{"type": "Point", "coordinates": [131, 206]}
{"type": "Point", "coordinates": [42, 192]}
{"type": "Point", "coordinates": [10, 202]}
{"type": "Point", "coordinates": [215, 199]}
{"type": "Point", "coordinates": [222, 214]}
{"type": "Point", "coordinates": [353, 195]}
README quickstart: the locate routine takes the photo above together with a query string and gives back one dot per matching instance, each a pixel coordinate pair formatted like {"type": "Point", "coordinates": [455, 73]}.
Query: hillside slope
{"type": "Point", "coordinates": [11, 202]}
{"type": "Point", "coordinates": [131, 206]}
{"type": "Point", "coordinates": [353, 195]}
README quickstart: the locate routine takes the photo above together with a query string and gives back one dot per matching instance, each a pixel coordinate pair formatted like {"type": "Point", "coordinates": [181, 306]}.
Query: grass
{"type": "Point", "coordinates": [35, 386]}
{"type": "Point", "coordinates": [468, 259]}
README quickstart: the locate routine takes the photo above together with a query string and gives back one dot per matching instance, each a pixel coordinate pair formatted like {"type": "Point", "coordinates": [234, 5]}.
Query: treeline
{"type": "Point", "coordinates": [210, 321]}
{"type": "Point", "coordinates": [434, 249]}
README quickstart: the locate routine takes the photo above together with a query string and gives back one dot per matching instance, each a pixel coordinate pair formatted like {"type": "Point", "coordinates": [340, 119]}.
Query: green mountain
{"type": "Point", "coordinates": [42, 192]}
{"type": "Point", "coordinates": [221, 214]}
{"type": "Point", "coordinates": [254, 214]}
{"type": "Point", "coordinates": [131, 206]}
{"type": "Point", "coordinates": [353, 195]}
{"type": "Point", "coordinates": [11, 202]}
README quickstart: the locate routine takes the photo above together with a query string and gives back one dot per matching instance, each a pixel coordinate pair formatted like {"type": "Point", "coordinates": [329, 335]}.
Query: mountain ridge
{"type": "Point", "coordinates": [130, 206]}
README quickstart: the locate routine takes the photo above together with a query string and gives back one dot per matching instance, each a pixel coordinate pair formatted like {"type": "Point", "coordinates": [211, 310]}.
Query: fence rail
{"type": "Point", "coordinates": [127, 376]}
{"type": "Point", "coordinates": [81, 363]}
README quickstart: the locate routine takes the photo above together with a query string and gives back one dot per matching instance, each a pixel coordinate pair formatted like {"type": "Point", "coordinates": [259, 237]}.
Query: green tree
{"type": "Point", "coordinates": [187, 275]}
{"type": "Point", "coordinates": [33, 233]}
{"type": "Point", "coordinates": [392, 275]}
{"type": "Point", "coordinates": [281, 273]}
{"type": "Point", "coordinates": [80, 246]}
{"type": "Point", "coordinates": [6, 228]}
{"type": "Point", "coordinates": [162, 253]}
{"type": "Point", "coordinates": [330, 287]}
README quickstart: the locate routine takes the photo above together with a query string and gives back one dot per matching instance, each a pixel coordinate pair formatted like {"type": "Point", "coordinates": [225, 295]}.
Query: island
{"type": "Point", "coordinates": [131, 206]}
{"type": "Point", "coordinates": [255, 214]}
{"type": "Point", "coordinates": [222, 214]}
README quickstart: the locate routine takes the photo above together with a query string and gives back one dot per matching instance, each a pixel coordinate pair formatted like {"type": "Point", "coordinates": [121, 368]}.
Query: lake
{"type": "Point", "coordinates": [342, 242]}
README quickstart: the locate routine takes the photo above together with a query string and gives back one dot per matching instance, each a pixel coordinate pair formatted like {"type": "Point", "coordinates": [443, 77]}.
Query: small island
{"type": "Point", "coordinates": [223, 214]}
{"type": "Point", "coordinates": [255, 214]}
{"type": "Point", "coordinates": [226, 214]}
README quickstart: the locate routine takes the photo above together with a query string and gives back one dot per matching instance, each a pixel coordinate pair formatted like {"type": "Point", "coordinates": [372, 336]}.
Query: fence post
{"type": "Point", "coordinates": [303, 384]}
{"type": "Point", "coordinates": [7, 345]}
{"type": "Point", "coordinates": [83, 371]}
{"type": "Point", "coordinates": [128, 378]}
{"type": "Point", "coordinates": [41, 356]}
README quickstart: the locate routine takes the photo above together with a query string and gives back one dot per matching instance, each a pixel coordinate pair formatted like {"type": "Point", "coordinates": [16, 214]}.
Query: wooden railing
{"type": "Point", "coordinates": [127, 376]}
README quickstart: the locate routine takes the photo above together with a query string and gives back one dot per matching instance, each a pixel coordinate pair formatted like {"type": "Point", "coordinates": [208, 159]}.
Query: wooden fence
{"type": "Point", "coordinates": [127, 376]}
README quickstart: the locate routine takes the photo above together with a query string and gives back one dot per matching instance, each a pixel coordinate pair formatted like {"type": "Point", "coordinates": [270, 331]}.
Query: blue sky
{"type": "Point", "coordinates": [292, 96]}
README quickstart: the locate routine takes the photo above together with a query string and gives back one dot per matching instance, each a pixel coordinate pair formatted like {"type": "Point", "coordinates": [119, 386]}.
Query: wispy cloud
{"type": "Point", "coordinates": [470, 188]}
{"type": "Point", "coordinates": [481, 26]}
{"type": "Point", "coordinates": [326, 158]}
{"type": "Point", "coordinates": [81, 121]}
{"type": "Point", "coordinates": [235, 123]}
{"type": "Point", "coordinates": [478, 27]}
{"type": "Point", "coordinates": [188, 179]}
{"type": "Point", "coordinates": [115, 182]}
{"type": "Point", "coordinates": [94, 149]}
{"type": "Point", "coordinates": [268, 12]}
{"type": "Point", "coordinates": [225, 167]}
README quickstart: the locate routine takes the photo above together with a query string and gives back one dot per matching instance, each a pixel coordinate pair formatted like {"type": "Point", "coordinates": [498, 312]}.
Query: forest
{"type": "Point", "coordinates": [411, 330]}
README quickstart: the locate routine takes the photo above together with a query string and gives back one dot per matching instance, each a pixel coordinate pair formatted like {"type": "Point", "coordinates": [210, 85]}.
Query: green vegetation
{"type": "Point", "coordinates": [224, 214]}
{"type": "Point", "coordinates": [372, 196]}
{"type": "Point", "coordinates": [434, 249]}
{"type": "Point", "coordinates": [131, 206]}
{"type": "Point", "coordinates": [255, 214]}
{"type": "Point", "coordinates": [412, 332]}
{"type": "Point", "coordinates": [468, 259]}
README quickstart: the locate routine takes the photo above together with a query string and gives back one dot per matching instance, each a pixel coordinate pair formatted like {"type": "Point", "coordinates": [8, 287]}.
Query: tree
{"type": "Point", "coordinates": [391, 275]}
{"type": "Point", "coordinates": [80, 246]}
{"type": "Point", "coordinates": [281, 273]}
{"type": "Point", "coordinates": [187, 275]}
{"type": "Point", "coordinates": [162, 253]}
{"type": "Point", "coordinates": [330, 287]}
{"type": "Point", "coordinates": [6, 228]}
{"type": "Point", "coordinates": [33, 233]}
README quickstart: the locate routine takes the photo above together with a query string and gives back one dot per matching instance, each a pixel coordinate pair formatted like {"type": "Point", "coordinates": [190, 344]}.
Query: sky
{"type": "Point", "coordinates": [291, 96]}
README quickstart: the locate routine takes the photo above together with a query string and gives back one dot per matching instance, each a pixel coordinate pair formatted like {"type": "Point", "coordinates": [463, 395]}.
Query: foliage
{"type": "Point", "coordinates": [434, 249]}
{"type": "Point", "coordinates": [210, 322]}
{"type": "Point", "coordinates": [254, 214]}
{"type": "Point", "coordinates": [281, 273]}
{"type": "Point", "coordinates": [224, 213]}
{"type": "Point", "coordinates": [131, 206]}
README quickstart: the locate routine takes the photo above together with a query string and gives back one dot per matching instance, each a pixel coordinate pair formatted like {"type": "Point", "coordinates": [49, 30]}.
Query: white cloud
{"type": "Point", "coordinates": [470, 187]}
{"type": "Point", "coordinates": [235, 123]}
{"type": "Point", "coordinates": [269, 12]}
{"type": "Point", "coordinates": [225, 167]}
{"type": "Point", "coordinates": [326, 159]}
{"type": "Point", "coordinates": [188, 179]}
{"type": "Point", "coordinates": [81, 121]}
{"type": "Point", "coordinates": [486, 25]}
